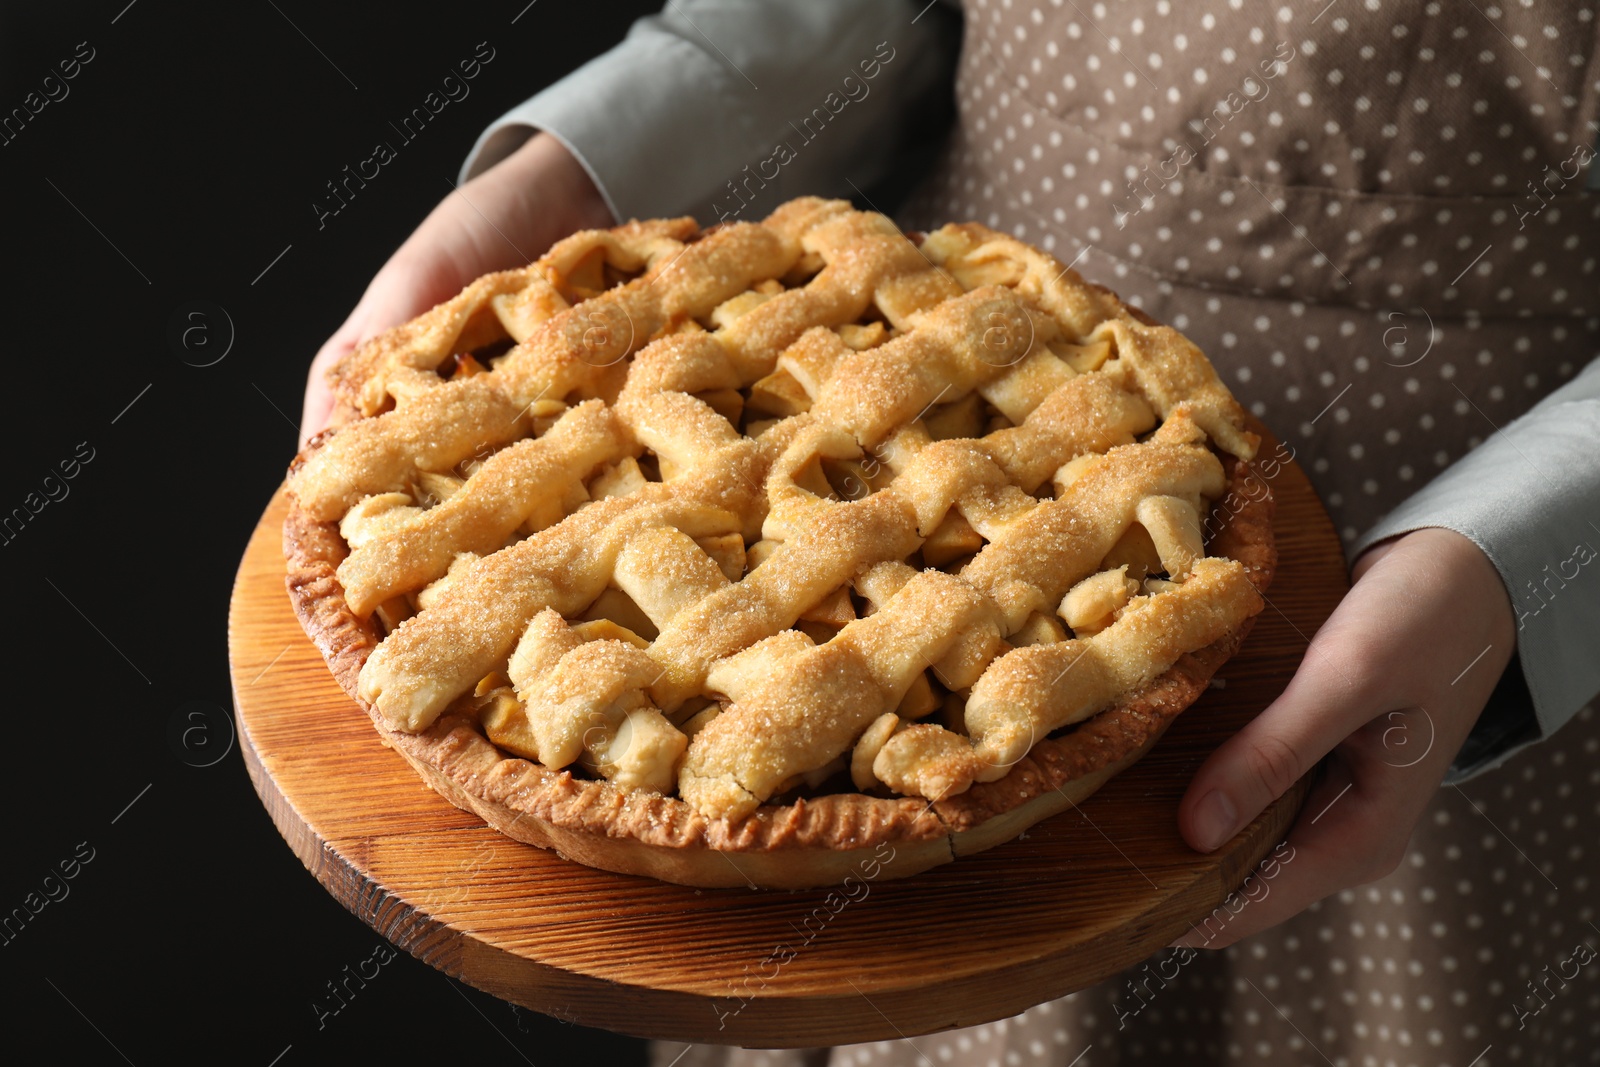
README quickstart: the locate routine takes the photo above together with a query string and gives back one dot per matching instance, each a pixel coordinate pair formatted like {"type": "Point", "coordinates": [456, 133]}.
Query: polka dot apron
{"type": "Point", "coordinates": [1371, 217]}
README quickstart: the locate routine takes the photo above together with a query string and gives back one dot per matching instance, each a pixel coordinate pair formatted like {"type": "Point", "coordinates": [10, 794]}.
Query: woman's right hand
{"type": "Point", "coordinates": [505, 217]}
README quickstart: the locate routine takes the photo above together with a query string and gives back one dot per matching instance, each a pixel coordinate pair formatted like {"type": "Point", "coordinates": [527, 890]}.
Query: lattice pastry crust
{"type": "Point", "coordinates": [727, 556]}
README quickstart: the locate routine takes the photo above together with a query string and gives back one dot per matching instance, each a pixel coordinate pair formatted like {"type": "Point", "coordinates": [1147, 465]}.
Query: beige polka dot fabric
{"type": "Point", "coordinates": [1371, 215]}
{"type": "Point", "coordinates": [1373, 223]}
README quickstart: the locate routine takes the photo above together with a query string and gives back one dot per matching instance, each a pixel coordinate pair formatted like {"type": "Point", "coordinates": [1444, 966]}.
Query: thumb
{"type": "Point", "coordinates": [1320, 708]}
{"type": "Point", "coordinates": [317, 408]}
{"type": "Point", "coordinates": [404, 288]}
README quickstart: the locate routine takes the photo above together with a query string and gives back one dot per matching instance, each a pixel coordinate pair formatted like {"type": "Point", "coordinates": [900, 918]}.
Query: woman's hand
{"type": "Point", "coordinates": [505, 217]}
{"type": "Point", "coordinates": [1391, 686]}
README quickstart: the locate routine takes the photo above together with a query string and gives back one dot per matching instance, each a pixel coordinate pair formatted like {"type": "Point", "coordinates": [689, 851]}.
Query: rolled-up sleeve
{"type": "Point", "coordinates": [720, 109]}
{"type": "Point", "coordinates": [1530, 498]}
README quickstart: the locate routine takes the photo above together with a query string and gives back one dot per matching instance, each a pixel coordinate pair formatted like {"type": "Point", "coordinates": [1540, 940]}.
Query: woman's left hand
{"type": "Point", "coordinates": [1390, 686]}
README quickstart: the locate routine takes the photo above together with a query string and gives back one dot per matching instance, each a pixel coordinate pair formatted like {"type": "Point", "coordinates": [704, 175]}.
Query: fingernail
{"type": "Point", "coordinates": [1215, 819]}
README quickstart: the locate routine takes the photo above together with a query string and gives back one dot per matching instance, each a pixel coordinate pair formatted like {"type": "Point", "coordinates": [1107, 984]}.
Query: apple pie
{"type": "Point", "coordinates": [731, 556]}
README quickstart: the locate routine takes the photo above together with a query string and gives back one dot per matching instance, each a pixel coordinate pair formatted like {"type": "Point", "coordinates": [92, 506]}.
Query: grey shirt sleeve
{"type": "Point", "coordinates": [1530, 498]}
{"type": "Point", "coordinates": [723, 110]}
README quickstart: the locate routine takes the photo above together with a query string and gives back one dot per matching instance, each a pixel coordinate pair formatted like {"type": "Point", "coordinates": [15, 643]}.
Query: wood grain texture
{"type": "Point", "coordinates": [1076, 899]}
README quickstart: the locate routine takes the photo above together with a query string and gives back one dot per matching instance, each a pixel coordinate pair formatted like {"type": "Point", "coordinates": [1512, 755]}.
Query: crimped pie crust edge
{"type": "Point", "coordinates": [807, 843]}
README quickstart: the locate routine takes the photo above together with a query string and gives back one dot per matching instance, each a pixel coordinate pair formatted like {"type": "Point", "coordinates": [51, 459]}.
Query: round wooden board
{"type": "Point", "coordinates": [1079, 897]}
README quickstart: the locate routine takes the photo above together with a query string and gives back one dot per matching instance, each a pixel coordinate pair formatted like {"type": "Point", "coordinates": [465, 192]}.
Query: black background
{"type": "Point", "coordinates": [183, 161]}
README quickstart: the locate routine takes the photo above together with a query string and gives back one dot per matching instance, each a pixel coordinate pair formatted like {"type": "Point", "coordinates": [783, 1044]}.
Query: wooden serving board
{"type": "Point", "coordinates": [1079, 897]}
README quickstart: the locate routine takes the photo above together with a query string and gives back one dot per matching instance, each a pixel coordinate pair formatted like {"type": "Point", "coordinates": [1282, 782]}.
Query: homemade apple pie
{"type": "Point", "coordinates": [729, 556]}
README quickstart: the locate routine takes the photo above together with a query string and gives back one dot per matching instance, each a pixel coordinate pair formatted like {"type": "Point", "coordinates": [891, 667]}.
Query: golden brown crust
{"type": "Point", "coordinates": [313, 551]}
{"type": "Point", "coordinates": [496, 557]}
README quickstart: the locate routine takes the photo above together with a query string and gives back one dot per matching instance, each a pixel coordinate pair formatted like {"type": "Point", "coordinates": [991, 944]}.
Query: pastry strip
{"type": "Point", "coordinates": [515, 484]}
